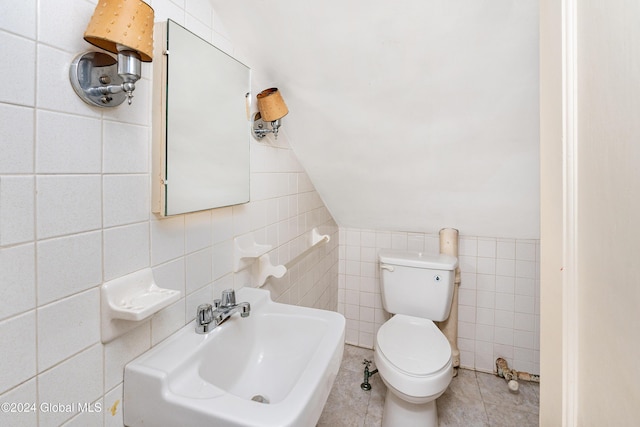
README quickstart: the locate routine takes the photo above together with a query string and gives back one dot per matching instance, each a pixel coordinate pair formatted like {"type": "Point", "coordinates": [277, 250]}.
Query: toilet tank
{"type": "Point", "coordinates": [417, 284]}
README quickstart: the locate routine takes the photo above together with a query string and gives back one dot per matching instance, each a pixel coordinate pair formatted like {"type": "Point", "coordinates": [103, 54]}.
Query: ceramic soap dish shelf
{"type": "Point", "coordinates": [129, 300]}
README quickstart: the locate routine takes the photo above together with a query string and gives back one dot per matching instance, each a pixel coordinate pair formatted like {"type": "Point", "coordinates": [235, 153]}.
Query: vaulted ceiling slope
{"type": "Point", "coordinates": [407, 115]}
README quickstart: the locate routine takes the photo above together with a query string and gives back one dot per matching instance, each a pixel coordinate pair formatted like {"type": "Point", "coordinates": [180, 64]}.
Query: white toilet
{"type": "Point", "coordinates": [412, 355]}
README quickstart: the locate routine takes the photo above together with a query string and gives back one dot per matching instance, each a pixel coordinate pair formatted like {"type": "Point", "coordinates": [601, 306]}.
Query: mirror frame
{"type": "Point", "coordinates": [201, 157]}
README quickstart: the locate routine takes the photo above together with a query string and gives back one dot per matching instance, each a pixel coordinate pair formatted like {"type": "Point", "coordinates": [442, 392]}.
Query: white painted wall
{"type": "Point", "coordinates": [594, 337]}
{"type": "Point", "coordinates": [407, 117]}
{"type": "Point", "coordinates": [551, 216]}
{"type": "Point", "coordinates": [608, 211]}
{"type": "Point", "coordinates": [75, 211]}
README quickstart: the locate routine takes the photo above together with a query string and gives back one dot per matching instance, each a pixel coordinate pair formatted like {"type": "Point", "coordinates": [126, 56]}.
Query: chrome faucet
{"type": "Point", "coordinates": [209, 317]}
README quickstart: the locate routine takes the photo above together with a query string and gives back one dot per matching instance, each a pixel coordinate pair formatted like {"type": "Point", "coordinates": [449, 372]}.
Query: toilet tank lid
{"type": "Point", "coordinates": [418, 259]}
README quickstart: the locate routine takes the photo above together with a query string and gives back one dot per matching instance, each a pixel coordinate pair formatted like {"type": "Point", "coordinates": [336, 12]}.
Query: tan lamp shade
{"type": "Point", "coordinates": [271, 105]}
{"type": "Point", "coordinates": [125, 22]}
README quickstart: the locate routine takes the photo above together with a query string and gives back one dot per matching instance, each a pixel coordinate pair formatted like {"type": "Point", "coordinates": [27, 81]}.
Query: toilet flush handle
{"type": "Point", "coordinates": [386, 267]}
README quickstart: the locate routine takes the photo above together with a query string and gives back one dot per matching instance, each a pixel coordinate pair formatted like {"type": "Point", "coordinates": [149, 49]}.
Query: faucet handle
{"type": "Point", "coordinates": [228, 298]}
{"type": "Point", "coordinates": [245, 309]}
{"type": "Point", "coordinates": [204, 314]}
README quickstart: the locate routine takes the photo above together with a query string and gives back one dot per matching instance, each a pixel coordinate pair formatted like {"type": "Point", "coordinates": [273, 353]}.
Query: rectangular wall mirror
{"type": "Point", "coordinates": [201, 129]}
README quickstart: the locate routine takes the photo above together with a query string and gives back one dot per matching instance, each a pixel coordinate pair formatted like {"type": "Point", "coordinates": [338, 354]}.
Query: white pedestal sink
{"type": "Point", "coordinates": [273, 368]}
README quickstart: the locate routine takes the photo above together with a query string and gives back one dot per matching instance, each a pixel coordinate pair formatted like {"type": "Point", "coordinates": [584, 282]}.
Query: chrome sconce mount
{"type": "Point", "coordinates": [259, 127]}
{"type": "Point", "coordinates": [101, 80]}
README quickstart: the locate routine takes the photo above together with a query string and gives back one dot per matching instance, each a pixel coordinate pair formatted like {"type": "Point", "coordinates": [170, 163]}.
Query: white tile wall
{"type": "Point", "coordinates": [18, 347]}
{"type": "Point", "coordinates": [125, 148]}
{"type": "Point", "coordinates": [79, 379]}
{"type": "Point", "coordinates": [125, 199]}
{"type": "Point", "coordinates": [16, 199]}
{"type": "Point", "coordinates": [499, 297]}
{"type": "Point", "coordinates": [22, 52]}
{"type": "Point", "coordinates": [26, 392]}
{"type": "Point", "coordinates": [126, 249]}
{"type": "Point", "coordinates": [19, 18]}
{"type": "Point", "coordinates": [17, 265]}
{"type": "Point", "coordinates": [65, 143]}
{"type": "Point", "coordinates": [75, 212]}
{"type": "Point", "coordinates": [68, 265]}
{"type": "Point", "coordinates": [16, 144]}
{"type": "Point", "coordinates": [67, 204]}
{"type": "Point", "coordinates": [67, 326]}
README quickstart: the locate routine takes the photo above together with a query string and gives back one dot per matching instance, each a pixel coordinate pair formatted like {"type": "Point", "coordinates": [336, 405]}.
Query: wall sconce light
{"type": "Point", "coordinates": [123, 27]}
{"type": "Point", "coordinates": [271, 109]}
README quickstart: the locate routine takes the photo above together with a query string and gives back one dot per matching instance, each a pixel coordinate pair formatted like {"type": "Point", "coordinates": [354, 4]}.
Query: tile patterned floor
{"type": "Point", "coordinates": [473, 399]}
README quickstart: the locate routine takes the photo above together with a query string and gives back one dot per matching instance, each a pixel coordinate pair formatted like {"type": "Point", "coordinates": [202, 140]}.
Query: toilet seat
{"type": "Point", "coordinates": [414, 358]}
{"type": "Point", "coordinates": [414, 346]}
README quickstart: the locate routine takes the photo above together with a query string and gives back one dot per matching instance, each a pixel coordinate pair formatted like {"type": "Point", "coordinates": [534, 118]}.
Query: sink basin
{"type": "Point", "coordinates": [273, 368]}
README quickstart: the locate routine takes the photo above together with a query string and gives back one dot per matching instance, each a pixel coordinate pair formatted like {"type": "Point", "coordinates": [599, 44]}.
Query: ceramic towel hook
{"type": "Point", "coordinates": [317, 238]}
{"type": "Point", "coordinates": [246, 250]}
{"type": "Point", "coordinates": [266, 269]}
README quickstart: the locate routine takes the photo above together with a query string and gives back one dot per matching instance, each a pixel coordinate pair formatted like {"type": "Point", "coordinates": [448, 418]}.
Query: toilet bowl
{"type": "Point", "coordinates": [412, 355]}
{"type": "Point", "coordinates": [414, 361]}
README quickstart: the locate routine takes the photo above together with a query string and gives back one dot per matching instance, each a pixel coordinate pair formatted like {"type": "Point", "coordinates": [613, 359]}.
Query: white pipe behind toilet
{"type": "Point", "coordinates": [449, 327]}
